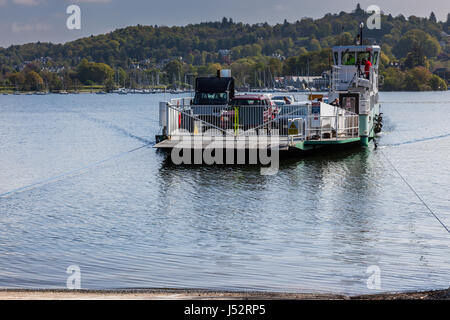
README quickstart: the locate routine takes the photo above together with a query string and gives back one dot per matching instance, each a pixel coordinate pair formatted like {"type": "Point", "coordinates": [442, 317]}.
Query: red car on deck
{"type": "Point", "coordinates": [254, 110]}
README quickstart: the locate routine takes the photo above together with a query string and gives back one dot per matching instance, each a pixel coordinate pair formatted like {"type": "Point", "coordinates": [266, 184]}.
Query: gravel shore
{"type": "Point", "coordinates": [172, 294]}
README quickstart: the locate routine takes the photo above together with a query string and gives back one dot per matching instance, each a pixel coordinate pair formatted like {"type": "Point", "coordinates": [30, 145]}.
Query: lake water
{"type": "Point", "coordinates": [129, 219]}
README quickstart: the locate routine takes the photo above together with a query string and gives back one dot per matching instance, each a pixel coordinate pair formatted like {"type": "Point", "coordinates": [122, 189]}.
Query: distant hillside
{"type": "Point", "coordinates": [227, 42]}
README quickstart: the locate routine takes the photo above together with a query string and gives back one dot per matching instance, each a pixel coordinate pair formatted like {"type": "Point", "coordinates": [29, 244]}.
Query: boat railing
{"type": "Point", "coordinates": [345, 77]}
{"type": "Point", "coordinates": [335, 78]}
{"type": "Point", "coordinates": [180, 102]}
{"type": "Point", "coordinates": [290, 121]}
{"type": "Point", "coordinates": [336, 127]}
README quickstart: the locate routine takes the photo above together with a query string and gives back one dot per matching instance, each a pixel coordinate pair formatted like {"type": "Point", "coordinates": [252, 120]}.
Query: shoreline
{"type": "Point", "coordinates": [190, 294]}
{"type": "Point", "coordinates": [93, 91]}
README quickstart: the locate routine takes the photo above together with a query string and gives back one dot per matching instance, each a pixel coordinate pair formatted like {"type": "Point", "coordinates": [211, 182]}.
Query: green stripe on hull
{"type": "Point", "coordinates": [311, 144]}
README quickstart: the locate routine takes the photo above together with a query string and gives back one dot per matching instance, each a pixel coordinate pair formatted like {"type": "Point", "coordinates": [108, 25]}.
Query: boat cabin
{"type": "Point", "coordinates": [214, 90]}
{"type": "Point", "coordinates": [354, 82]}
{"type": "Point", "coordinates": [350, 66]}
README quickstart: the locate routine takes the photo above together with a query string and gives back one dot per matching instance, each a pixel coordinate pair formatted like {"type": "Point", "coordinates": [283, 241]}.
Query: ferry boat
{"type": "Point", "coordinates": [350, 116]}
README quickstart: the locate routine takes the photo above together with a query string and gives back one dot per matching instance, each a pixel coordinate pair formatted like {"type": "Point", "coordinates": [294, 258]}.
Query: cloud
{"type": "Point", "coordinates": [279, 7]}
{"type": "Point", "coordinates": [2, 2]}
{"type": "Point", "coordinates": [90, 1]}
{"type": "Point", "coordinates": [17, 27]}
{"type": "Point", "coordinates": [27, 2]}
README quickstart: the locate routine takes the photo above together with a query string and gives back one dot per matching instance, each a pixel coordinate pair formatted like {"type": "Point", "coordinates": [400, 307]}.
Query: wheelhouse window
{"type": "Point", "coordinates": [249, 102]}
{"type": "Point", "coordinates": [375, 58]}
{"type": "Point", "coordinates": [349, 58]}
{"type": "Point", "coordinates": [210, 98]}
{"type": "Point", "coordinates": [364, 56]}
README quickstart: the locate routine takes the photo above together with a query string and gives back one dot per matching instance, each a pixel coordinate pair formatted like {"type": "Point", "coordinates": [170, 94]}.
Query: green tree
{"type": "Point", "coordinates": [447, 24]}
{"type": "Point", "coordinates": [417, 38]}
{"type": "Point", "coordinates": [109, 84]}
{"type": "Point", "coordinates": [393, 79]}
{"type": "Point", "coordinates": [52, 81]}
{"type": "Point", "coordinates": [173, 69]}
{"type": "Point", "coordinates": [121, 76]}
{"type": "Point", "coordinates": [433, 17]}
{"type": "Point", "coordinates": [418, 79]}
{"type": "Point", "coordinates": [437, 83]}
{"type": "Point", "coordinates": [275, 66]}
{"type": "Point", "coordinates": [242, 70]}
{"type": "Point", "coordinates": [431, 47]}
{"type": "Point", "coordinates": [212, 68]}
{"type": "Point", "coordinates": [96, 72]}
{"type": "Point", "coordinates": [345, 38]}
{"type": "Point", "coordinates": [415, 58]}
{"type": "Point", "coordinates": [17, 79]}
{"type": "Point", "coordinates": [315, 45]}
{"type": "Point", "coordinates": [358, 10]}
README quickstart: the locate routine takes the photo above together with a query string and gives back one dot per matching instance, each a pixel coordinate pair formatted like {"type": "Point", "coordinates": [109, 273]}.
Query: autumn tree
{"type": "Point", "coordinates": [33, 81]}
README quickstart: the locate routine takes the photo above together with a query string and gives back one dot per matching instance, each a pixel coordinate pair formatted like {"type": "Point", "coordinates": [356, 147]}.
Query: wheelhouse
{"type": "Point", "coordinates": [351, 71]}
{"type": "Point", "coordinates": [355, 55]}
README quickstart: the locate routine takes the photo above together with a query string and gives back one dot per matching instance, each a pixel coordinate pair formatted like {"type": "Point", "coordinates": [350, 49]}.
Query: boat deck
{"type": "Point", "coordinates": [255, 126]}
{"type": "Point", "coordinates": [249, 143]}
{"type": "Point", "coordinates": [237, 143]}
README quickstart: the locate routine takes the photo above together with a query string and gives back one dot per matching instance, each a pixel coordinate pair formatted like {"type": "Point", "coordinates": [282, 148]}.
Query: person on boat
{"type": "Point", "coordinates": [350, 59]}
{"type": "Point", "coordinates": [287, 100]}
{"type": "Point", "coordinates": [335, 102]}
{"type": "Point", "coordinates": [367, 65]}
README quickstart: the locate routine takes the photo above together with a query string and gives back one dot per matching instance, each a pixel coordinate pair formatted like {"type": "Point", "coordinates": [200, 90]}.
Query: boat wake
{"type": "Point", "coordinates": [415, 102]}
{"type": "Point", "coordinates": [417, 140]}
{"type": "Point", "coordinates": [116, 128]}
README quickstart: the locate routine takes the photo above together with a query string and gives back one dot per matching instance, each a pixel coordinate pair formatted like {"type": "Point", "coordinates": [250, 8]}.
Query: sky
{"type": "Point", "coordinates": [23, 21]}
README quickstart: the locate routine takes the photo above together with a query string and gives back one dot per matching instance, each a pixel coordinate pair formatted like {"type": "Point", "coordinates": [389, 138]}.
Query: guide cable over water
{"type": "Point", "coordinates": [67, 174]}
{"type": "Point", "coordinates": [415, 192]}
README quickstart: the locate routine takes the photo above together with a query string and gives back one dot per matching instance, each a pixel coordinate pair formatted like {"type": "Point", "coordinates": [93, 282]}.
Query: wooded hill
{"type": "Point", "coordinates": [282, 49]}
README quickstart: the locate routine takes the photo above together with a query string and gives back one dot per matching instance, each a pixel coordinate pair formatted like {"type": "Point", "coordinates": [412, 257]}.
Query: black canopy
{"type": "Point", "coordinates": [215, 85]}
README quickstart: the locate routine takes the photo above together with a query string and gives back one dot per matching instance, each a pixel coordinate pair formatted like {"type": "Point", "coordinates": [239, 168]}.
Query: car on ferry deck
{"type": "Point", "coordinates": [256, 109]}
{"type": "Point", "coordinates": [283, 100]}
